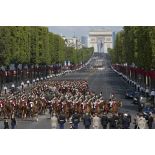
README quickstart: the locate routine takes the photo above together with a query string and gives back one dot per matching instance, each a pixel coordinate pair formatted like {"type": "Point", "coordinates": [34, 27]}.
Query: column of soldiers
{"type": "Point", "coordinates": [66, 101]}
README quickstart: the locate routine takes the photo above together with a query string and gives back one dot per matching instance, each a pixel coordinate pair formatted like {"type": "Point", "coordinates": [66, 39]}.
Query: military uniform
{"type": "Point", "coordinates": [75, 120]}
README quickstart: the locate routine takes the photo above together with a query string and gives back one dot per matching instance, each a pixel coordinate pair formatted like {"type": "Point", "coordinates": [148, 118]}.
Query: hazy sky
{"type": "Point", "coordinates": [79, 31]}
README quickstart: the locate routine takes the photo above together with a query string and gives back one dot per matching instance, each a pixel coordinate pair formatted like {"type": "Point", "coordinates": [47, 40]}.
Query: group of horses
{"type": "Point", "coordinates": [23, 105]}
{"type": "Point", "coordinates": [68, 108]}
{"type": "Point", "coordinates": [56, 97]}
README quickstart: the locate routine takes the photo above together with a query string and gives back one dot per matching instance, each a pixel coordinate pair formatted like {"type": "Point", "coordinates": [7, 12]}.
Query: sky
{"type": "Point", "coordinates": [79, 31]}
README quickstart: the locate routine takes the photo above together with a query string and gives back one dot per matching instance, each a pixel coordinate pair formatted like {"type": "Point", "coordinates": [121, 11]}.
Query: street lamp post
{"type": "Point", "coordinates": [33, 81]}
{"type": "Point", "coordinates": [22, 84]}
{"type": "Point", "coordinates": [125, 65]}
{"type": "Point", "coordinates": [37, 80]}
{"type": "Point", "coordinates": [5, 89]}
{"type": "Point", "coordinates": [28, 83]}
{"type": "Point", "coordinates": [13, 88]}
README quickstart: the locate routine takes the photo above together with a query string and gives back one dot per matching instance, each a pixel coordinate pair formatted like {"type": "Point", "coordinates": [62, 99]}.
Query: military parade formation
{"type": "Point", "coordinates": [72, 102]}
{"type": "Point", "coordinates": [69, 101]}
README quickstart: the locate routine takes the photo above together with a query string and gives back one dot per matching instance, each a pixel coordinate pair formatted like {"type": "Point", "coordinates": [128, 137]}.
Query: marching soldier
{"type": "Point", "coordinates": [22, 84]}
{"type": "Point", "coordinates": [120, 121]}
{"type": "Point", "coordinates": [150, 121]}
{"type": "Point", "coordinates": [96, 122]}
{"type": "Point", "coordinates": [13, 123]}
{"type": "Point", "coordinates": [136, 121]}
{"type": "Point", "coordinates": [104, 121]}
{"type": "Point", "coordinates": [5, 89]}
{"type": "Point", "coordinates": [12, 88]}
{"type": "Point", "coordinates": [61, 121]}
{"type": "Point", "coordinates": [54, 121]}
{"type": "Point", "coordinates": [6, 124]}
{"type": "Point", "coordinates": [141, 122]}
{"type": "Point", "coordinates": [87, 121]}
{"type": "Point", "coordinates": [126, 121]}
{"type": "Point", "coordinates": [75, 120]}
{"type": "Point", "coordinates": [112, 122]}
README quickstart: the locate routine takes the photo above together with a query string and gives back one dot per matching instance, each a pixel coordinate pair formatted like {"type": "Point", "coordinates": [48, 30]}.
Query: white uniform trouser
{"type": "Point", "coordinates": [96, 126]}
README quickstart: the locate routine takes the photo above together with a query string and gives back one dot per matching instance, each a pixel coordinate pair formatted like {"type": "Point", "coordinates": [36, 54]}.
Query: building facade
{"type": "Point", "coordinates": [84, 41]}
{"type": "Point", "coordinates": [73, 42]}
{"type": "Point", "coordinates": [101, 40]}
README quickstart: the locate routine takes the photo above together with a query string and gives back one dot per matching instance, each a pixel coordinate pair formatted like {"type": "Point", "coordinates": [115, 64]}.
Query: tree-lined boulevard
{"type": "Point", "coordinates": [44, 82]}
{"type": "Point", "coordinates": [105, 81]}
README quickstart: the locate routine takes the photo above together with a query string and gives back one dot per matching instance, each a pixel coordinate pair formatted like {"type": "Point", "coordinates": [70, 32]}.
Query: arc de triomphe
{"type": "Point", "coordinates": [101, 40]}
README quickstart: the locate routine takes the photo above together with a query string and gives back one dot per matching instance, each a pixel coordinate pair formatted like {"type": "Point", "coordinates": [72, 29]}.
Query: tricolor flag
{"type": "Point", "coordinates": [101, 44]}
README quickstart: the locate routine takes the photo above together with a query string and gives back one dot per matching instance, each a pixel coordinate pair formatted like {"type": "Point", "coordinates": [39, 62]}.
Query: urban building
{"type": "Point", "coordinates": [84, 41]}
{"type": "Point", "coordinates": [73, 42]}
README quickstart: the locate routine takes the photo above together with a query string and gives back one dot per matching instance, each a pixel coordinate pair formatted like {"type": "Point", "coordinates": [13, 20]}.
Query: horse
{"type": "Point", "coordinates": [35, 112]}
{"type": "Point", "coordinates": [106, 107]}
{"type": "Point", "coordinates": [115, 106]}
{"type": "Point", "coordinates": [66, 109]}
{"type": "Point", "coordinates": [7, 110]}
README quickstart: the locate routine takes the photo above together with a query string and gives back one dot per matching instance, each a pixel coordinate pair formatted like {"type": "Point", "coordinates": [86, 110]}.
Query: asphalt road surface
{"type": "Point", "coordinates": [103, 80]}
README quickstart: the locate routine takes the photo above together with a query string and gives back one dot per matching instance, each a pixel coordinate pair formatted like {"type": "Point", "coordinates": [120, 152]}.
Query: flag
{"type": "Point", "coordinates": [69, 63]}
{"type": "Point", "coordinates": [65, 64]}
{"type": "Point", "coordinates": [101, 44]}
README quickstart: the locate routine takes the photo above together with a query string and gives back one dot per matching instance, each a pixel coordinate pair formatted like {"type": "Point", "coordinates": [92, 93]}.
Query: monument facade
{"type": "Point", "coordinates": [101, 40]}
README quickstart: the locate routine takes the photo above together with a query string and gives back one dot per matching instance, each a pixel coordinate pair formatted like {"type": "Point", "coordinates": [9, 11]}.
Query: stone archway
{"type": "Point", "coordinates": [101, 40]}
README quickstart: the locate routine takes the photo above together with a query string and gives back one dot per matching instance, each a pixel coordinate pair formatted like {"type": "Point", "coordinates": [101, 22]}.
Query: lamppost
{"type": "Point", "coordinates": [37, 80]}
{"type": "Point", "coordinates": [125, 64]}
{"type": "Point", "coordinates": [5, 89]}
{"type": "Point", "coordinates": [33, 81]}
{"type": "Point", "coordinates": [28, 83]}
{"type": "Point", "coordinates": [13, 88]}
{"type": "Point", "coordinates": [48, 77]}
{"type": "Point", "coordinates": [22, 84]}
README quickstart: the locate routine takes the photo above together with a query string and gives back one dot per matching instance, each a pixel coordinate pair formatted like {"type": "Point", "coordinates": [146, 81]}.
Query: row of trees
{"type": "Point", "coordinates": [36, 45]}
{"type": "Point", "coordinates": [134, 54]}
{"type": "Point", "coordinates": [135, 45]}
{"type": "Point", "coordinates": [78, 56]}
